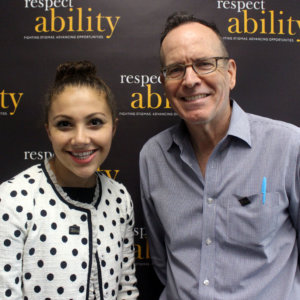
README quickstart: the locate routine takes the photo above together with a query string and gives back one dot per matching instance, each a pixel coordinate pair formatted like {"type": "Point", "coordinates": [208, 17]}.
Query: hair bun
{"type": "Point", "coordinates": [75, 69]}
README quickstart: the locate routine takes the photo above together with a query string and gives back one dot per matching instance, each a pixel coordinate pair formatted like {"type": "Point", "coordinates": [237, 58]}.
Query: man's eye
{"type": "Point", "coordinates": [203, 64]}
{"type": "Point", "coordinates": [175, 70]}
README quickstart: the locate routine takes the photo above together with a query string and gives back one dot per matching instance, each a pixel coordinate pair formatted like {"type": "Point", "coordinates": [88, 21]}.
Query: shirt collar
{"type": "Point", "coordinates": [178, 136]}
{"type": "Point", "coordinates": [239, 127]}
{"type": "Point", "coordinates": [239, 124]}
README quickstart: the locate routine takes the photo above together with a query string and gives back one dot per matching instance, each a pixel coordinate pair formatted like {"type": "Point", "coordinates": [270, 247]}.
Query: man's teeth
{"type": "Point", "coordinates": [82, 155]}
{"type": "Point", "coordinates": [191, 98]}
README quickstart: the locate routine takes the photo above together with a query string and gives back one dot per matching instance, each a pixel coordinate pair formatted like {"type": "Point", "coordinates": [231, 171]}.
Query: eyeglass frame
{"type": "Point", "coordinates": [216, 58]}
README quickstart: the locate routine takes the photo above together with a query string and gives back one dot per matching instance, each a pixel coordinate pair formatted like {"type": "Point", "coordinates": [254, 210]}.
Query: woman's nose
{"type": "Point", "coordinates": [80, 137]}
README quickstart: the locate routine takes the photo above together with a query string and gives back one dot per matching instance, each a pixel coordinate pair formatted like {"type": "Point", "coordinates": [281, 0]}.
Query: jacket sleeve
{"type": "Point", "coordinates": [127, 288]}
{"type": "Point", "coordinates": [153, 224]}
{"type": "Point", "coordinates": [13, 231]}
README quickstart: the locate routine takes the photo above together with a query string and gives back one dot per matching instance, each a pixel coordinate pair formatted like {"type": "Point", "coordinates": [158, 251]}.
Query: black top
{"type": "Point", "coordinates": [84, 195]}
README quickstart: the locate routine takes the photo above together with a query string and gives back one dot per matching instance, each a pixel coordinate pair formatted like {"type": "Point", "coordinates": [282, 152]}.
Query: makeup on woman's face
{"type": "Point", "coordinates": [81, 129]}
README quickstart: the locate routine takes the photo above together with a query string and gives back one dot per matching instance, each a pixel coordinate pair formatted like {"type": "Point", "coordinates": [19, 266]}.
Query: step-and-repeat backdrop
{"type": "Point", "coordinates": [122, 38]}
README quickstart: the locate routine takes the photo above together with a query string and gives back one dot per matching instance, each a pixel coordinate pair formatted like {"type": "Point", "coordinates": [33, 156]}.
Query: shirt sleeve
{"type": "Point", "coordinates": [153, 224]}
{"type": "Point", "coordinates": [298, 192]}
{"type": "Point", "coordinates": [128, 281]}
{"type": "Point", "coordinates": [294, 193]}
{"type": "Point", "coordinates": [296, 199]}
{"type": "Point", "coordinates": [13, 224]}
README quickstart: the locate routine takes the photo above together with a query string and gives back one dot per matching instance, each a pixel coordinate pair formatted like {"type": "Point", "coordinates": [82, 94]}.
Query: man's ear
{"type": "Point", "coordinates": [232, 73]}
{"type": "Point", "coordinates": [162, 79]}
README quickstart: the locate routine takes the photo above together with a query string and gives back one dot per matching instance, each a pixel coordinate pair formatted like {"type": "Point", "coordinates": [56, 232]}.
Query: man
{"type": "Point", "coordinates": [220, 190]}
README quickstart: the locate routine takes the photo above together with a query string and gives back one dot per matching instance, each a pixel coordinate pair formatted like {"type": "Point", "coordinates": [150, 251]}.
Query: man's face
{"type": "Point", "coordinates": [198, 99]}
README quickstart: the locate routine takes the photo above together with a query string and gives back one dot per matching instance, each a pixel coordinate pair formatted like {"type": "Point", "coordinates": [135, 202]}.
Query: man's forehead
{"type": "Point", "coordinates": [192, 30]}
{"type": "Point", "coordinates": [190, 39]}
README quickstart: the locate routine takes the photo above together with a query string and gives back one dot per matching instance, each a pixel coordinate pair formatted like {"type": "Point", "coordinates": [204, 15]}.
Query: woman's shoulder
{"type": "Point", "coordinates": [28, 177]}
{"type": "Point", "coordinates": [113, 183]}
{"type": "Point", "coordinates": [114, 189]}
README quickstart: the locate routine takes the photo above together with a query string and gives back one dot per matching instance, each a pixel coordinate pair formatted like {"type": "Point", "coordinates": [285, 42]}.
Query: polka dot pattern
{"type": "Point", "coordinates": [55, 262]}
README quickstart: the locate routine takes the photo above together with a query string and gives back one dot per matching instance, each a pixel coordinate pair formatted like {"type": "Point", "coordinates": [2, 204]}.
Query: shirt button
{"type": "Point", "coordinates": [206, 282]}
{"type": "Point", "coordinates": [210, 200]}
{"type": "Point", "coordinates": [208, 241]}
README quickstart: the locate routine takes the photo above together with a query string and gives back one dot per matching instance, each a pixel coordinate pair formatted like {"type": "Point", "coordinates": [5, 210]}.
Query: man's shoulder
{"type": "Point", "coordinates": [268, 124]}
{"type": "Point", "coordinates": [274, 132]}
{"type": "Point", "coordinates": [162, 140]}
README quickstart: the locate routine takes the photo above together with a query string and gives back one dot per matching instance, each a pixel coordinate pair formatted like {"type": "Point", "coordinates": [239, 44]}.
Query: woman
{"type": "Point", "coordinates": [66, 231]}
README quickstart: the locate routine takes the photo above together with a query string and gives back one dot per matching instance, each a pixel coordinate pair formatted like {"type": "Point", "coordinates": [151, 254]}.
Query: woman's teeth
{"type": "Point", "coordinates": [83, 155]}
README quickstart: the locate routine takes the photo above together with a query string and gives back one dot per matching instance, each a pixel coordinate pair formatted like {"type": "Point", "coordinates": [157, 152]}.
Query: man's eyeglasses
{"type": "Point", "coordinates": [200, 66]}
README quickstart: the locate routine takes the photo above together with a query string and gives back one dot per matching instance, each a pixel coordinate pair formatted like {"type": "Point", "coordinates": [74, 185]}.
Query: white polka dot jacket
{"type": "Point", "coordinates": [52, 247]}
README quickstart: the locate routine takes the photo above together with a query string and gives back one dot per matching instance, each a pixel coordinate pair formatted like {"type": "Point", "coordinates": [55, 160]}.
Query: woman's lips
{"type": "Point", "coordinates": [83, 156]}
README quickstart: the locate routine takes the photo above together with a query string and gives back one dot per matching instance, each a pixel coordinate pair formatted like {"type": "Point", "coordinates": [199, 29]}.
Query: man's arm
{"type": "Point", "coordinates": [294, 197]}
{"type": "Point", "coordinates": [153, 224]}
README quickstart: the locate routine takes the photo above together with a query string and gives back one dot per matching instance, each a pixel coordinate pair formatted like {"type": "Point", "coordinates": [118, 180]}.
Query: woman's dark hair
{"type": "Point", "coordinates": [78, 73]}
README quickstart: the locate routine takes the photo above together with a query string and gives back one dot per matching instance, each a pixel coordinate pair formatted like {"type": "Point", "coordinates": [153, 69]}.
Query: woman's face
{"type": "Point", "coordinates": [80, 128]}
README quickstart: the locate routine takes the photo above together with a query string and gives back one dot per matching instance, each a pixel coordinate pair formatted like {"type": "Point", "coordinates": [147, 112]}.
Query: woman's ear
{"type": "Point", "coordinates": [48, 131]}
{"type": "Point", "coordinates": [115, 126]}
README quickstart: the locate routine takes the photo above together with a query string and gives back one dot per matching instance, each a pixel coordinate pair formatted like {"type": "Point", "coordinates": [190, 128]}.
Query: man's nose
{"type": "Point", "coordinates": [191, 78]}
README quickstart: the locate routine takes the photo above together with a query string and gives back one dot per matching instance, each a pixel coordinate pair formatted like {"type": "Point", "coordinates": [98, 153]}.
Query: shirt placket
{"type": "Point", "coordinates": [208, 250]}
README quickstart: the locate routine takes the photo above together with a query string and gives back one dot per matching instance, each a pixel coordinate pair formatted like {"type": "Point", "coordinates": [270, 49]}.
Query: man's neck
{"type": "Point", "coordinates": [205, 137]}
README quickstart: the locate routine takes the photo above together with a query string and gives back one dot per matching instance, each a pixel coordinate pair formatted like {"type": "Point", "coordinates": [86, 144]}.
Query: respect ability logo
{"type": "Point", "coordinates": [72, 19]}
{"type": "Point", "coordinates": [259, 18]}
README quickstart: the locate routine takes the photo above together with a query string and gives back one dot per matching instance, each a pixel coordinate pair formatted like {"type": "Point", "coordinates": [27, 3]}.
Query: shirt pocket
{"type": "Point", "coordinates": [255, 223]}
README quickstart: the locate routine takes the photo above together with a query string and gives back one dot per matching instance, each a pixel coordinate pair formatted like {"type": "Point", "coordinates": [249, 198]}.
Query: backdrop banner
{"type": "Point", "coordinates": [122, 39]}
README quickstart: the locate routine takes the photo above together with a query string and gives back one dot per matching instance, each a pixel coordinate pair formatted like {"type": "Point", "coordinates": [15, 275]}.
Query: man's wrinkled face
{"type": "Point", "coordinates": [198, 99]}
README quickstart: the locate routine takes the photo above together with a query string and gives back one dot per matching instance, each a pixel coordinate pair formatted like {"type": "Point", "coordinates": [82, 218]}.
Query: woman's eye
{"type": "Point", "coordinates": [63, 124]}
{"type": "Point", "coordinates": [96, 122]}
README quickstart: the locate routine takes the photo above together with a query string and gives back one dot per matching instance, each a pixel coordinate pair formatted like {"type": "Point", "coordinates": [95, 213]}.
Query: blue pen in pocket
{"type": "Point", "coordinates": [264, 189]}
